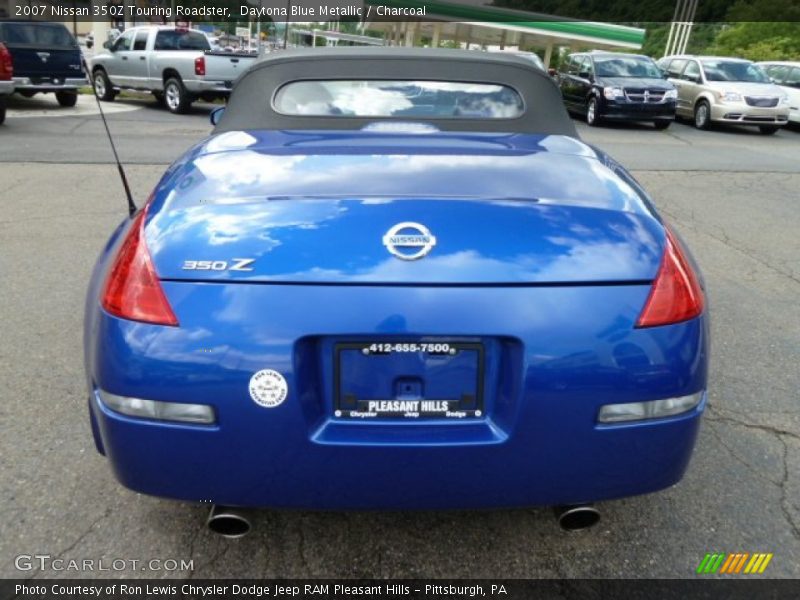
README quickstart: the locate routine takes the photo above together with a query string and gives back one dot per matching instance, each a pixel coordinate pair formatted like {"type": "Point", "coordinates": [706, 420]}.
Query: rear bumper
{"type": "Point", "coordinates": [538, 442]}
{"type": "Point", "coordinates": [629, 111]}
{"type": "Point", "coordinates": [217, 88]}
{"type": "Point", "coordinates": [219, 465]}
{"type": "Point", "coordinates": [55, 85]}
{"type": "Point", "coordinates": [6, 88]}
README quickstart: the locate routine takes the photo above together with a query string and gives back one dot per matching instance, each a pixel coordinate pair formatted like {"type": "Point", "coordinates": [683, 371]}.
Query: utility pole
{"type": "Point", "coordinates": [100, 28]}
{"type": "Point", "coordinates": [681, 27]}
{"type": "Point", "coordinates": [286, 27]}
{"type": "Point", "coordinates": [258, 29]}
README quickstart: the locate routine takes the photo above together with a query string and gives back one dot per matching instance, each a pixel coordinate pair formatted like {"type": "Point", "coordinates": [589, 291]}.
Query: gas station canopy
{"type": "Point", "coordinates": [484, 26]}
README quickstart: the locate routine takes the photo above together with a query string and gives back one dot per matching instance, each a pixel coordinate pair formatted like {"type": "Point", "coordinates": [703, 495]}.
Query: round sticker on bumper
{"type": "Point", "coordinates": [268, 388]}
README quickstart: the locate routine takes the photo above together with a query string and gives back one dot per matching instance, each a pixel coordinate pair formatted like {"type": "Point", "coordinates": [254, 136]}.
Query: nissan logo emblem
{"type": "Point", "coordinates": [409, 241]}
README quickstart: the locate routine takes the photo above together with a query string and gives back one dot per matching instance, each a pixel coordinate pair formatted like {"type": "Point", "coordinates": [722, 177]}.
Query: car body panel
{"type": "Point", "coordinates": [545, 255]}
{"type": "Point", "coordinates": [317, 198]}
{"type": "Point", "coordinates": [539, 442]}
{"type": "Point", "coordinates": [6, 83]}
{"type": "Point", "coordinates": [45, 56]}
{"type": "Point", "coordinates": [134, 62]}
{"type": "Point", "coordinates": [529, 56]}
{"type": "Point", "coordinates": [786, 76]}
{"type": "Point", "coordinates": [693, 86]}
{"type": "Point", "coordinates": [578, 87]}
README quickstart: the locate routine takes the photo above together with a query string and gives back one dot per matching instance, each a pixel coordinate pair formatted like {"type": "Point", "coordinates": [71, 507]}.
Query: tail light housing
{"type": "Point", "coordinates": [6, 64]}
{"type": "Point", "coordinates": [132, 290]}
{"type": "Point", "coordinates": [676, 294]}
{"type": "Point", "coordinates": [200, 65]}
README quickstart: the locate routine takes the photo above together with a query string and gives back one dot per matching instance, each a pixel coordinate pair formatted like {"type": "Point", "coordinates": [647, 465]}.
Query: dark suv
{"type": "Point", "coordinates": [46, 58]}
{"type": "Point", "coordinates": [628, 87]}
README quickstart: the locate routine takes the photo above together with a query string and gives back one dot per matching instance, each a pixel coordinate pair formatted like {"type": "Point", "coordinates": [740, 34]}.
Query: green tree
{"type": "Point", "coordinates": [776, 11]}
{"type": "Point", "coordinates": [702, 36]}
{"type": "Point", "coordinates": [760, 30]}
{"type": "Point", "coordinates": [759, 41]}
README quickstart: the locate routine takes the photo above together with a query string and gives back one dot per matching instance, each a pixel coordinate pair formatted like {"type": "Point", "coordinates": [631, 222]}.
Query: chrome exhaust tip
{"type": "Point", "coordinates": [228, 522]}
{"type": "Point", "coordinates": [575, 518]}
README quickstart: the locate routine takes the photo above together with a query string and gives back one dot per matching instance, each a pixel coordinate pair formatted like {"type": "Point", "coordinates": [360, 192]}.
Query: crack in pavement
{"type": "Point", "coordinates": [226, 546]}
{"type": "Point", "coordinates": [55, 217]}
{"type": "Point", "coordinates": [12, 187]}
{"type": "Point", "coordinates": [766, 428]}
{"type": "Point", "coordinates": [81, 122]}
{"type": "Point", "coordinates": [736, 455]}
{"type": "Point", "coordinates": [301, 547]}
{"type": "Point", "coordinates": [192, 542]}
{"type": "Point", "coordinates": [779, 435]}
{"type": "Point", "coordinates": [77, 541]}
{"type": "Point", "coordinates": [785, 504]}
{"type": "Point", "coordinates": [725, 239]}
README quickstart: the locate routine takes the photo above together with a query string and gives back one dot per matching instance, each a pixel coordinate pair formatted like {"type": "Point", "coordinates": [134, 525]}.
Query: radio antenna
{"type": "Point", "coordinates": [131, 204]}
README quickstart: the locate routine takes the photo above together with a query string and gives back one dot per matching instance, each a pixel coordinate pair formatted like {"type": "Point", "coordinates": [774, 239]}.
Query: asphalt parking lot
{"type": "Point", "coordinates": [732, 194]}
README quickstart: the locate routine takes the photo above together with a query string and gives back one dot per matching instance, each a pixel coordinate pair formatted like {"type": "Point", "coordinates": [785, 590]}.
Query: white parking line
{"type": "Point", "coordinates": [46, 106]}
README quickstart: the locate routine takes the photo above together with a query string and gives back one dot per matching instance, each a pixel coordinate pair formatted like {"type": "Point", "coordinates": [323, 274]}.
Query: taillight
{"type": "Point", "coordinates": [6, 64]}
{"type": "Point", "coordinates": [200, 65]}
{"type": "Point", "coordinates": [132, 290]}
{"type": "Point", "coordinates": [676, 294]}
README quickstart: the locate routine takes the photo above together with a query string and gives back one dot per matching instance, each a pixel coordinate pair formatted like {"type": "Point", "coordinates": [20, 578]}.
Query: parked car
{"type": "Point", "coordinates": [530, 56]}
{"type": "Point", "coordinates": [713, 89]}
{"type": "Point", "coordinates": [46, 57]}
{"type": "Point", "coordinates": [786, 75]}
{"type": "Point", "coordinates": [395, 278]}
{"type": "Point", "coordinates": [176, 64]}
{"type": "Point", "coordinates": [620, 87]}
{"type": "Point", "coordinates": [6, 83]}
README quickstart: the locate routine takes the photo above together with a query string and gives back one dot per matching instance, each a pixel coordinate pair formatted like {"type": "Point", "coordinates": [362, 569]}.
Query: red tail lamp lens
{"type": "Point", "coordinates": [132, 290]}
{"type": "Point", "coordinates": [676, 294]}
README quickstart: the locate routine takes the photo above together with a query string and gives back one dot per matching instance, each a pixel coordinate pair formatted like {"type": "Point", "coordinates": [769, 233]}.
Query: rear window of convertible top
{"type": "Point", "coordinates": [400, 99]}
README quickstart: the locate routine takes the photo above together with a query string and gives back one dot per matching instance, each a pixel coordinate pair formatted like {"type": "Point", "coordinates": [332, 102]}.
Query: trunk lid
{"type": "Point", "coordinates": [516, 214]}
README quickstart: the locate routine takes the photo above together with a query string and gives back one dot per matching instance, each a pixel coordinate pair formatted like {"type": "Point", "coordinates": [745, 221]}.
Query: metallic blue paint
{"type": "Point", "coordinates": [546, 250]}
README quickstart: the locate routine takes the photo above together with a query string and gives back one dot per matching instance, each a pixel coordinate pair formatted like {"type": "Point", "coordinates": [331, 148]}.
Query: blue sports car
{"type": "Point", "coordinates": [396, 279]}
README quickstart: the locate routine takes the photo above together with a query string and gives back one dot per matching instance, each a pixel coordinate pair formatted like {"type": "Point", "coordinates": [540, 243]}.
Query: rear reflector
{"type": "Point", "coordinates": [132, 290]}
{"type": "Point", "coordinates": [155, 409]}
{"type": "Point", "coordinates": [676, 294]}
{"type": "Point", "coordinates": [654, 409]}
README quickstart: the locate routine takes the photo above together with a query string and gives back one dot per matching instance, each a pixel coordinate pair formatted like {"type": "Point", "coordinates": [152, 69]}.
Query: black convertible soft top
{"type": "Point", "coordinates": [251, 103]}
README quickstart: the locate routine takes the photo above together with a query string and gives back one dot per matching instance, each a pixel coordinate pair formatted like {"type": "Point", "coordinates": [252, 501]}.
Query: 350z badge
{"type": "Point", "coordinates": [235, 264]}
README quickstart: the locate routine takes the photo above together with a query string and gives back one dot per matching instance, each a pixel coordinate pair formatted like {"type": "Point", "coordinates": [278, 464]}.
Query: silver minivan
{"type": "Point", "coordinates": [726, 90]}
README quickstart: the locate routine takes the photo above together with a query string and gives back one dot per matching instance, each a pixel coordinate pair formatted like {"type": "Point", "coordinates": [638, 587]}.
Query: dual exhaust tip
{"type": "Point", "coordinates": [228, 522]}
{"type": "Point", "coordinates": [231, 523]}
{"type": "Point", "coordinates": [575, 518]}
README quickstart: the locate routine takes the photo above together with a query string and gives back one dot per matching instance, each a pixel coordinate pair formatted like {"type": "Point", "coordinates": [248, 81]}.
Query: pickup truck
{"type": "Point", "coordinates": [175, 64]}
{"type": "Point", "coordinates": [45, 57]}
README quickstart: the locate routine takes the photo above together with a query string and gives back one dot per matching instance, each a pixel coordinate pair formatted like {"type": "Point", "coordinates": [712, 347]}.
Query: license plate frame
{"type": "Point", "coordinates": [469, 406]}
